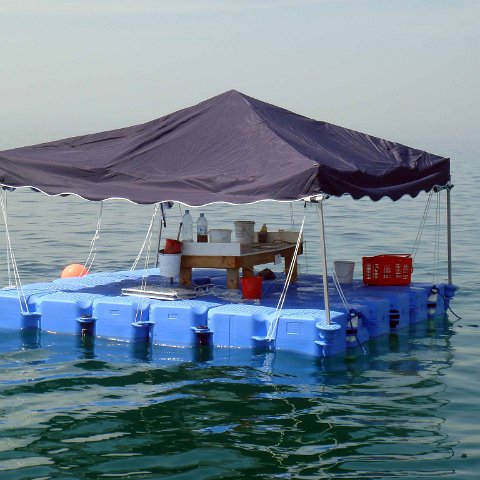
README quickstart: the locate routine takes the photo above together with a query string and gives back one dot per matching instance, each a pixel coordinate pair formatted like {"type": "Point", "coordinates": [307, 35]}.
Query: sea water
{"type": "Point", "coordinates": [408, 408]}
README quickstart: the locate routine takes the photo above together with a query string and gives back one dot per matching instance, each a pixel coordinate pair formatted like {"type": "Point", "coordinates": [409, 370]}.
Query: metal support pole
{"type": "Point", "coordinates": [324, 260]}
{"type": "Point", "coordinates": [449, 235]}
{"type": "Point", "coordinates": [10, 284]}
{"type": "Point", "coordinates": [162, 224]}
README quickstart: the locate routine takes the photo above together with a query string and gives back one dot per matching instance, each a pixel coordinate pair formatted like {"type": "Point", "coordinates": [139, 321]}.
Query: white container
{"type": "Point", "coordinates": [220, 235]}
{"type": "Point", "coordinates": [244, 231]}
{"type": "Point", "coordinates": [208, 249]}
{"type": "Point", "coordinates": [169, 264]}
{"type": "Point", "coordinates": [344, 271]}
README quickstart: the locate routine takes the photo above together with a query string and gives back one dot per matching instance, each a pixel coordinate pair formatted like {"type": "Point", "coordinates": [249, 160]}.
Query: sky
{"type": "Point", "coordinates": [406, 70]}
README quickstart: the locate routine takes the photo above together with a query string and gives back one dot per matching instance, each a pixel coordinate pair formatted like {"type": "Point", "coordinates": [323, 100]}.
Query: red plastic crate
{"type": "Point", "coordinates": [387, 270]}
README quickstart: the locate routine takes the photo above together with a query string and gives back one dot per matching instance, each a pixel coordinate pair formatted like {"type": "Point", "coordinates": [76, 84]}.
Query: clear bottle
{"type": "Point", "coordinates": [202, 229]}
{"type": "Point", "coordinates": [187, 227]}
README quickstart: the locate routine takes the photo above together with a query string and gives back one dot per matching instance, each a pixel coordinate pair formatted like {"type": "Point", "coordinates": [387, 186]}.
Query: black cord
{"type": "Point", "coordinates": [163, 215]}
{"type": "Point", "coordinates": [359, 316]}
{"type": "Point", "coordinates": [449, 309]}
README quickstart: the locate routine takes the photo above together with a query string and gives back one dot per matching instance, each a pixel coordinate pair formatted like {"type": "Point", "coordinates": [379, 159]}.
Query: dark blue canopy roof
{"type": "Point", "coordinates": [230, 148]}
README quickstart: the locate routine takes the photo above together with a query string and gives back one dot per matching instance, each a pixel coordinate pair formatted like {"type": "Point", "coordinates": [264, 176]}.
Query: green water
{"type": "Point", "coordinates": [72, 410]}
{"type": "Point", "coordinates": [408, 409]}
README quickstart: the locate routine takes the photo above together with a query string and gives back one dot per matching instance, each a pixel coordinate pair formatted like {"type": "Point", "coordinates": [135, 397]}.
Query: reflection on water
{"type": "Point", "coordinates": [86, 346]}
{"type": "Point", "coordinates": [86, 408]}
{"type": "Point", "coordinates": [31, 338]}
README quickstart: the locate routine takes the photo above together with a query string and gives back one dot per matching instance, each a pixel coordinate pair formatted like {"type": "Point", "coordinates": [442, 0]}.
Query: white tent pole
{"type": "Point", "coordinates": [4, 193]}
{"type": "Point", "coordinates": [449, 235]}
{"type": "Point", "coordinates": [162, 220]}
{"type": "Point", "coordinates": [324, 259]}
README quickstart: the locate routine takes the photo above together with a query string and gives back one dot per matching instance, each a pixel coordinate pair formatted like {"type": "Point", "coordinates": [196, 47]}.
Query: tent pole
{"type": "Point", "coordinates": [158, 243]}
{"type": "Point", "coordinates": [162, 223]}
{"type": "Point", "coordinates": [10, 284]}
{"type": "Point", "coordinates": [449, 235]}
{"type": "Point", "coordinates": [324, 260]}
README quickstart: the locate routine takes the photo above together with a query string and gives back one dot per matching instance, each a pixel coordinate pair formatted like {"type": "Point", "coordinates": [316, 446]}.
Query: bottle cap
{"type": "Point", "coordinates": [187, 211]}
{"type": "Point", "coordinates": [202, 215]}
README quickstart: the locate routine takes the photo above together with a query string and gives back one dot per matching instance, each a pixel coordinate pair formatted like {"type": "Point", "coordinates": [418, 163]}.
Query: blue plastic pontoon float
{"type": "Point", "coordinates": [98, 308]}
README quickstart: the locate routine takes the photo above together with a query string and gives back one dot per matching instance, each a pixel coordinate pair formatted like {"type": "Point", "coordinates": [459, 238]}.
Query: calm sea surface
{"type": "Point", "coordinates": [409, 409]}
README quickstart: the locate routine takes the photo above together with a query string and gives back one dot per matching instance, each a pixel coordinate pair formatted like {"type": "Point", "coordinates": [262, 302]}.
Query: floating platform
{"type": "Point", "coordinates": [115, 305]}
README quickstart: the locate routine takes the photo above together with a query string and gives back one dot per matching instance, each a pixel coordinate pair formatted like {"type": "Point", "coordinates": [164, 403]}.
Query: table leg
{"type": "Point", "coordinates": [233, 278]}
{"type": "Point", "coordinates": [186, 276]}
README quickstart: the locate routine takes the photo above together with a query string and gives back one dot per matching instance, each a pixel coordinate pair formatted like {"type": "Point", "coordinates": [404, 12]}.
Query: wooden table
{"type": "Point", "coordinates": [256, 254]}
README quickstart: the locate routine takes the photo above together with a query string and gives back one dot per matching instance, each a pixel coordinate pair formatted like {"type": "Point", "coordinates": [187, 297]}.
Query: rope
{"type": "Point", "coordinates": [344, 300]}
{"type": "Point", "coordinates": [416, 243]}
{"type": "Point", "coordinates": [339, 289]}
{"type": "Point", "coordinates": [180, 210]}
{"type": "Point", "coordinates": [93, 243]}
{"type": "Point", "coordinates": [149, 233]}
{"type": "Point", "coordinates": [272, 331]}
{"type": "Point", "coordinates": [147, 242]}
{"type": "Point", "coordinates": [337, 284]}
{"type": "Point", "coordinates": [147, 259]}
{"type": "Point", "coordinates": [18, 283]}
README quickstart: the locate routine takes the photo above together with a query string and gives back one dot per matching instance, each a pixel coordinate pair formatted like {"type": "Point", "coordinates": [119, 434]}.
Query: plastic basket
{"type": "Point", "coordinates": [387, 270]}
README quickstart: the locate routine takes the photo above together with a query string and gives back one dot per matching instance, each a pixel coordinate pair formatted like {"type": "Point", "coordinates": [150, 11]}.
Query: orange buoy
{"type": "Point", "coordinates": [74, 270]}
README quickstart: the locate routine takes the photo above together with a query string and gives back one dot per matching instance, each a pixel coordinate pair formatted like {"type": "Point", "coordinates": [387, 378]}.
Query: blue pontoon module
{"type": "Point", "coordinates": [212, 318]}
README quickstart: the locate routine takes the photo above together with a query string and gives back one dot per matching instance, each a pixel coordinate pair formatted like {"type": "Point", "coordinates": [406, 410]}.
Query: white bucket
{"type": "Point", "coordinates": [169, 264]}
{"type": "Point", "coordinates": [344, 270]}
{"type": "Point", "coordinates": [244, 231]}
{"type": "Point", "coordinates": [220, 235]}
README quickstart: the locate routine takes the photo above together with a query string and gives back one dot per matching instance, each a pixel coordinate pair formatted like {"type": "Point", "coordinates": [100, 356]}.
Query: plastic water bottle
{"type": "Point", "coordinates": [187, 227]}
{"type": "Point", "coordinates": [202, 229]}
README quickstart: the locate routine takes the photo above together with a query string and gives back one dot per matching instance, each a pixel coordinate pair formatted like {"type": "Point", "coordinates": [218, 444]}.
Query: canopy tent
{"type": "Point", "coordinates": [230, 148]}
